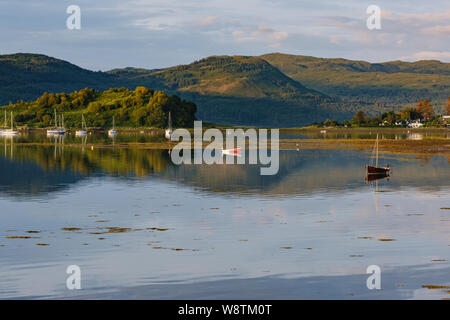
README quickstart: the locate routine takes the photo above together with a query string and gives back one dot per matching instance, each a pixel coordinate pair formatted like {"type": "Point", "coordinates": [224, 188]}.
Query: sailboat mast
{"type": "Point", "coordinates": [170, 122]}
{"type": "Point", "coordinates": [376, 165]}
{"type": "Point", "coordinates": [12, 124]}
{"type": "Point", "coordinates": [6, 120]}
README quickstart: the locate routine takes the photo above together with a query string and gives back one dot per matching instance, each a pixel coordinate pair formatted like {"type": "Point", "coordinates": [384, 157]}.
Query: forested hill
{"type": "Point", "coordinates": [141, 107]}
{"type": "Point", "coordinates": [26, 76]}
{"type": "Point", "coordinates": [378, 85]}
{"type": "Point", "coordinates": [237, 90]}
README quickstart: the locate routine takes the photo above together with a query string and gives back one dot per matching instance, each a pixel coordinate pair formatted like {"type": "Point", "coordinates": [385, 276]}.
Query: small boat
{"type": "Point", "coordinates": [232, 152]}
{"type": "Point", "coordinates": [57, 130]}
{"type": "Point", "coordinates": [5, 126]}
{"type": "Point", "coordinates": [169, 130]}
{"type": "Point", "coordinates": [376, 170]}
{"type": "Point", "coordinates": [83, 131]}
{"type": "Point", "coordinates": [112, 132]}
{"type": "Point", "coordinates": [10, 132]}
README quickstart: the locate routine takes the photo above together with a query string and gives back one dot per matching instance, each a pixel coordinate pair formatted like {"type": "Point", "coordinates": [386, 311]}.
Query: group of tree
{"type": "Point", "coordinates": [447, 107]}
{"type": "Point", "coordinates": [141, 107]}
{"type": "Point", "coordinates": [423, 112]}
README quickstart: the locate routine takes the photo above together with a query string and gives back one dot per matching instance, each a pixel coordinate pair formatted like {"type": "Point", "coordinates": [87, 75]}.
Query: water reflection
{"type": "Point", "coordinates": [304, 172]}
{"type": "Point", "coordinates": [141, 227]}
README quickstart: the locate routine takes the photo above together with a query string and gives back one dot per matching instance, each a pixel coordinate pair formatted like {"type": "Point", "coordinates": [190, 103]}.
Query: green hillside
{"type": "Point", "coordinates": [270, 90]}
{"type": "Point", "coordinates": [27, 76]}
{"type": "Point", "coordinates": [237, 90]}
{"type": "Point", "coordinates": [372, 86]}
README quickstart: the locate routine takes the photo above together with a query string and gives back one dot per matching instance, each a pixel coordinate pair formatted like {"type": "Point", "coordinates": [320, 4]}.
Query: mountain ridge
{"type": "Point", "coordinates": [267, 90]}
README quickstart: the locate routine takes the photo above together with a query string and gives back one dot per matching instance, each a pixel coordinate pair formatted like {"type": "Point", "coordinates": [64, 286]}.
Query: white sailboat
{"type": "Point", "coordinates": [62, 130]}
{"type": "Point", "coordinates": [5, 125]}
{"type": "Point", "coordinates": [169, 130]}
{"type": "Point", "coordinates": [10, 132]}
{"type": "Point", "coordinates": [112, 132]}
{"type": "Point", "coordinates": [83, 131]}
{"type": "Point", "coordinates": [58, 129]}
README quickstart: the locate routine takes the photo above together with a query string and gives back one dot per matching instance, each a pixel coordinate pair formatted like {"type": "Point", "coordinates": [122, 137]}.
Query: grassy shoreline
{"type": "Point", "coordinates": [425, 147]}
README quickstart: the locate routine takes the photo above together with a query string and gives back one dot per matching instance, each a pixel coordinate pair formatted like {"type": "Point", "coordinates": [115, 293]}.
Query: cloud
{"type": "Point", "coordinates": [334, 39]}
{"type": "Point", "coordinates": [206, 21]}
{"type": "Point", "coordinates": [418, 18]}
{"type": "Point", "coordinates": [428, 55]}
{"type": "Point", "coordinates": [260, 34]}
{"type": "Point", "coordinates": [437, 30]}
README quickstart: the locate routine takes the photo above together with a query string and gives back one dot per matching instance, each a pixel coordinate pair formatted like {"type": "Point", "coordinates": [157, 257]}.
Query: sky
{"type": "Point", "coordinates": [161, 33]}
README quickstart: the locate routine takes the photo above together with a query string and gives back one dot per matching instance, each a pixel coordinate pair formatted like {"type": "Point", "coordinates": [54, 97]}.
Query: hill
{"type": "Point", "coordinates": [373, 86]}
{"type": "Point", "coordinates": [26, 76]}
{"type": "Point", "coordinates": [269, 90]}
{"type": "Point", "coordinates": [237, 90]}
{"type": "Point", "coordinates": [138, 108]}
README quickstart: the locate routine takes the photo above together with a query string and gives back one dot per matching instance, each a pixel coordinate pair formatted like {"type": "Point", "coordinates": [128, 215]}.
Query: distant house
{"type": "Point", "coordinates": [446, 120]}
{"type": "Point", "coordinates": [415, 124]}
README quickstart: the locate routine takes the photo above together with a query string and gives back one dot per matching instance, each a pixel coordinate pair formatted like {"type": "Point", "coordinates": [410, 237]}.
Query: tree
{"type": "Point", "coordinates": [419, 107]}
{"type": "Point", "coordinates": [156, 117]}
{"type": "Point", "coordinates": [139, 116]}
{"type": "Point", "coordinates": [409, 114]}
{"type": "Point", "coordinates": [428, 112]}
{"type": "Point", "coordinates": [359, 118]}
{"type": "Point", "coordinates": [94, 107]}
{"type": "Point", "coordinates": [389, 117]}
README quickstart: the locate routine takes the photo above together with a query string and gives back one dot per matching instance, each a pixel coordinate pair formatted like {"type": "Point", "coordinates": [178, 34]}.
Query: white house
{"type": "Point", "coordinates": [446, 119]}
{"type": "Point", "coordinates": [415, 124]}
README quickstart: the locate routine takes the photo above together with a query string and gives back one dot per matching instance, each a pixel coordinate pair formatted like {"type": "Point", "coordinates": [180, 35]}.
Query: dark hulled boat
{"type": "Point", "coordinates": [376, 170]}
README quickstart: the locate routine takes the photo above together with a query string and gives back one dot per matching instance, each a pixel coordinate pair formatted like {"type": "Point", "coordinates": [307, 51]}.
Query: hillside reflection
{"type": "Point", "coordinates": [33, 170]}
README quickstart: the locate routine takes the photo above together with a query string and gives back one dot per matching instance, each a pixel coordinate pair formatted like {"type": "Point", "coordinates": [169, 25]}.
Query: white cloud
{"type": "Point", "coordinates": [205, 22]}
{"type": "Point", "coordinates": [428, 55]}
{"type": "Point", "coordinates": [260, 34]}
{"type": "Point", "coordinates": [334, 39]}
{"type": "Point", "coordinates": [437, 30]}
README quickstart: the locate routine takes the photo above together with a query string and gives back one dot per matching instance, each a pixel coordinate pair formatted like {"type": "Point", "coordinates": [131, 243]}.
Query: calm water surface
{"type": "Point", "coordinates": [140, 227]}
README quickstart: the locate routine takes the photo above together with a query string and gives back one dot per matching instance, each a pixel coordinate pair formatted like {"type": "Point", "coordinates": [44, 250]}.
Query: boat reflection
{"type": "Point", "coordinates": [373, 177]}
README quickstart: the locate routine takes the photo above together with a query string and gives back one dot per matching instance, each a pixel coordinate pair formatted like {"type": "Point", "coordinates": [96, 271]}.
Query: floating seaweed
{"type": "Point", "coordinates": [433, 287]}
{"type": "Point", "coordinates": [71, 229]}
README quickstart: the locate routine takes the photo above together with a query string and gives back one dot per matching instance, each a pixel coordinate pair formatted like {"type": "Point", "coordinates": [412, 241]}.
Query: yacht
{"type": "Point", "coordinates": [5, 126]}
{"type": "Point", "coordinates": [112, 132]}
{"type": "Point", "coordinates": [57, 130]}
{"type": "Point", "coordinates": [83, 131]}
{"type": "Point", "coordinates": [169, 130]}
{"type": "Point", "coordinates": [10, 132]}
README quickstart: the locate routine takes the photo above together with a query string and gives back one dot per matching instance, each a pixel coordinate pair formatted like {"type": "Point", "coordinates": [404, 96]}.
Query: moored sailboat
{"type": "Point", "coordinates": [83, 131]}
{"type": "Point", "coordinates": [112, 132]}
{"type": "Point", "coordinates": [5, 125]}
{"type": "Point", "coordinates": [10, 132]}
{"type": "Point", "coordinates": [376, 170]}
{"type": "Point", "coordinates": [58, 129]}
{"type": "Point", "coordinates": [169, 130]}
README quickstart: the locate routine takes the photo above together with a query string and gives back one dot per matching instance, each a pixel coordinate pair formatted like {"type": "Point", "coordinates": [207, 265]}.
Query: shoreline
{"type": "Point", "coordinates": [425, 147]}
